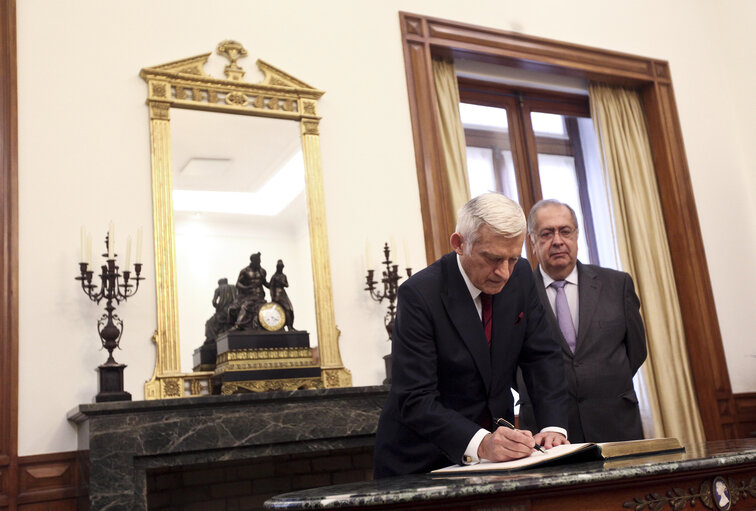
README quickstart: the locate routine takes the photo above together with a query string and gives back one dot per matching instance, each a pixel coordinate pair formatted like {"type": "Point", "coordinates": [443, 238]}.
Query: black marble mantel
{"type": "Point", "coordinates": [126, 439]}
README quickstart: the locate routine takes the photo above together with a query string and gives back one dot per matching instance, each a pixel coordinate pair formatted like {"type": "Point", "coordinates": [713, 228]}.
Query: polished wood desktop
{"type": "Point", "coordinates": [705, 475]}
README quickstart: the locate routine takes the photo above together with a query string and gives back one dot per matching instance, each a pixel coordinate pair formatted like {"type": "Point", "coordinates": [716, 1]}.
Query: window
{"type": "Point", "coordinates": [531, 144]}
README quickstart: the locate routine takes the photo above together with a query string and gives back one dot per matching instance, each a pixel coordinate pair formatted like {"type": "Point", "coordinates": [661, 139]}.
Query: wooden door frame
{"type": "Point", "coordinates": [424, 37]}
{"type": "Point", "coordinates": [8, 258]}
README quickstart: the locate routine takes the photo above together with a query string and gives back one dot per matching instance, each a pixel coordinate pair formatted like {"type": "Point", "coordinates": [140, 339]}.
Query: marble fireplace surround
{"type": "Point", "coordinates": [126, 439]}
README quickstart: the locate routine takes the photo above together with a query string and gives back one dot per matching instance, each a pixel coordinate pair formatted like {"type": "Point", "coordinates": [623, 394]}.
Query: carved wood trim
{"type": "Point", "coordinates": [424, 37]}
{"type": "Point", "coordinates": [8, 257]}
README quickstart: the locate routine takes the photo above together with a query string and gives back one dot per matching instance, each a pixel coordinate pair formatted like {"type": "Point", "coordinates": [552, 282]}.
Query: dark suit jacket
{"type": "Point", "coordinates": [444, 376]}
{"type": "Point", "coordinates": [611, 346]}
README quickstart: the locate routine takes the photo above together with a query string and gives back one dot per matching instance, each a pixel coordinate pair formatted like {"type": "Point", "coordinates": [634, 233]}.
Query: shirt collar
{"type": "Point", "coordinates": [572, 278]}
{"type": "Point", "coordinates": [474, 291]}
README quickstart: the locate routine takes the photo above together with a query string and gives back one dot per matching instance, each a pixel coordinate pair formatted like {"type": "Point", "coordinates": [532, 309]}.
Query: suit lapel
{"type": "Point", "coordinates": [464, 316]}
{"type": "Point", "coordinates": [589, 287]}
{"type": "Point", "coordinates": [541, 290]}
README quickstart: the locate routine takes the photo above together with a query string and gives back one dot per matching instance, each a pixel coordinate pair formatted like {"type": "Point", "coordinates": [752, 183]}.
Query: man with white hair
{"type": "Point", "coordinates": [463, 325]}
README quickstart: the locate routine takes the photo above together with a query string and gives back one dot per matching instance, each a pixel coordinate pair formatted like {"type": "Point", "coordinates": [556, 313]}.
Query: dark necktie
{"type": "Point", "coordinates": [563, 314]}
{"type": "Point", "coordinates": [485, 301]}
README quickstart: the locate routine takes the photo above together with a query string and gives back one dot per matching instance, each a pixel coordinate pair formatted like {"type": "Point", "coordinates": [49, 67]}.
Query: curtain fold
{"type": "Point", "coordinates": [452, 133]}
{"type": "Point", "coordinates": [621, 127]}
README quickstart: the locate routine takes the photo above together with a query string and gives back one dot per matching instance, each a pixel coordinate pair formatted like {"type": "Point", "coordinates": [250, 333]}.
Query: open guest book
{"type": "Point", "coordinates": [574, 453]}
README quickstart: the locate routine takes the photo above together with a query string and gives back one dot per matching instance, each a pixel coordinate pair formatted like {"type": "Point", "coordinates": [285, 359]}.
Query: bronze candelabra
{"type": "Point", "coordinates": [114, 287]}
{"type": "Point", "coordinates": [390, 281]}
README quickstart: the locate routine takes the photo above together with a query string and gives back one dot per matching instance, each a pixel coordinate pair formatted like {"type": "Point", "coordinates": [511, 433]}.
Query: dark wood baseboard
{"type": "Point", "coordinates": [53, 482]}
{"type": "Point", "coordinates": [745, 413]}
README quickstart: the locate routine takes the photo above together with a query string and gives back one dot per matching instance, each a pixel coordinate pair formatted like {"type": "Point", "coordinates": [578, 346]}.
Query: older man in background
{"type": "Point", "coordinates": [595, 314]}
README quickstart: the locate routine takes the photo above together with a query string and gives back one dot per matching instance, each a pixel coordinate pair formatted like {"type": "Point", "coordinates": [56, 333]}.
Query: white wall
{"type": "Point", "coordinates": [84, 155]}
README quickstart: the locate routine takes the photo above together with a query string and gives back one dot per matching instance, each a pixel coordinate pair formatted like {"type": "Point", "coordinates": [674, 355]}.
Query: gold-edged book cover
{"type": "Point", "coordinates": [638, 447]}
{"type": "Point", "coordinates": [574, 453]}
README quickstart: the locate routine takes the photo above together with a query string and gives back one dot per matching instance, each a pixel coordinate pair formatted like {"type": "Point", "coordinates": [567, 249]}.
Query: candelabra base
{"type": "Point", "coordinates": [111, 384]}
{"type": "Point", "coordinates": [387, 360]}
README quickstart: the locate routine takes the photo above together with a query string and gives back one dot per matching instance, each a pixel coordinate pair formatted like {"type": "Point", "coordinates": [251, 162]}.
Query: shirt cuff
{"type": "Point", "coordinates": [555, 430]}
{"type": "Point", "coordinates": [471, 453]}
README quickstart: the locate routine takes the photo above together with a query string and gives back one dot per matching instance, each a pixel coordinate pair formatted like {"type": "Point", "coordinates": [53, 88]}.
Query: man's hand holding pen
{"type": "Point", "coordinates": [508, 443]}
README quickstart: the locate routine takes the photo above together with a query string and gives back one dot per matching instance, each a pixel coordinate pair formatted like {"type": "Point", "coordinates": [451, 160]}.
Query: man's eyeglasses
{"type": "Point", "coordinates": [565, 232]}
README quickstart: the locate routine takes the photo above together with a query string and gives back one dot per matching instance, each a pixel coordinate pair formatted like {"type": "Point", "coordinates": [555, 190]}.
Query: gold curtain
{"type": "Point", "coordinates": [621, 127]}
{"type": "Point", "coordinates": [452, 133]}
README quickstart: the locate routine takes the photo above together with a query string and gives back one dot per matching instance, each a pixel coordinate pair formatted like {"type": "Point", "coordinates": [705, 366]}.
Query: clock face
{"type": "Point", "coordinates": [272, 317]}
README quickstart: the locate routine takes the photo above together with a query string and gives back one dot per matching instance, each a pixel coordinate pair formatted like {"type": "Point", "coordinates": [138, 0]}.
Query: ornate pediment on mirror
{"type": "Point", "coordinates": [236, 176]}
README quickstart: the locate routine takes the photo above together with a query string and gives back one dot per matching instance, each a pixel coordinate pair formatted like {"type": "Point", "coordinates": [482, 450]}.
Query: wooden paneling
{"type": "Point", "coordinates": [427, 37]}
{"type": "Point", "coordinates": [745, 411]}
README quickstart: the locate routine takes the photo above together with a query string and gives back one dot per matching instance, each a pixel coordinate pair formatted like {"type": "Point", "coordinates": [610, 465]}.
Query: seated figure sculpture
{"type": "Point", "coordinates": [224, 296]}
{"type": "Point", "coordinates": [250, 295]}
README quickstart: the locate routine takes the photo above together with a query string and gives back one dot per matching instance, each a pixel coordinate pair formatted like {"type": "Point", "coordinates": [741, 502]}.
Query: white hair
{"type": "Point", "coordinates": [503, 215]}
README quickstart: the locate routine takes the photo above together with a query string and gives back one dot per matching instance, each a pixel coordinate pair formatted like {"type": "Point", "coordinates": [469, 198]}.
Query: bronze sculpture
{"type": "Point", "coordinates": [250, 295]}
{"type": "Point", "coordinates": [278, 285]}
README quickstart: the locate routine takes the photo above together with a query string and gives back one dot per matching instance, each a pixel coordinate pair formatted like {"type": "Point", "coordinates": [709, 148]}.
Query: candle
{"type": "Point", "coordinates": [89, 249]}
{"type": "Point", "coordinates": [139, 247]}
{"type": "Point", "coordinates": [368, 262]}
{"type": "Point", "coordinates": [111, 240]}
{"type": "Point", "coordinates": [128, 253]}
{"type": "Point", "coordinates": [83, 250]}
{"type": "Point", "coordinates": [406, 253]}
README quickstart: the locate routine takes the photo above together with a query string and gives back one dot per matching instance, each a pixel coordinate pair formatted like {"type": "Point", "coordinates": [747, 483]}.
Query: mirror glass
{"type": "Point", "coordinates": [238, 189]}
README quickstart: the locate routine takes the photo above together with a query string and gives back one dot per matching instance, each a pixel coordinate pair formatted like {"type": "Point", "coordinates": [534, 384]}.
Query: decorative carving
{"type": "Point", "coordinates": [236, 98]}
{"type": "Point", "coordinates": [172, 387]}
{"type": "Point", "coordinates": [158, 89]}
{"type": "Point", "coordinates": [310, 127]}
{"type": "Point", "coordinates": [413, 26]}
{"type": "Point", "coordinates": [308, 107]}
{"type": "Point", "coordinates": [269, 385]}
{"type": "Point", "coordinates": [707, 492]}
{"type": "Point", "coordinates": [232, 51]}
{"type": "Point", "coordinates": [160, 111]}
{"type": "Point", "coordinates": [195, 387]}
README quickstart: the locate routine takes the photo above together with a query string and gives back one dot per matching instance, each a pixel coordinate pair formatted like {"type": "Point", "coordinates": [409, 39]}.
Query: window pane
{"type": "Point", "coordinates": [483, 117]}
{"type": "Point", "coordinates": [559, 181]}
{"type": "Point", "coordinates": [480, 170]}
{"type": "Point", "coordinates": [508, 178]}
{"type": "Point", "coordinates": [551, 125]}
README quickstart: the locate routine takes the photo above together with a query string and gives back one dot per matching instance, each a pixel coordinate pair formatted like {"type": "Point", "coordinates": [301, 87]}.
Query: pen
{"type": "Point", "coordinates": [507, 424]}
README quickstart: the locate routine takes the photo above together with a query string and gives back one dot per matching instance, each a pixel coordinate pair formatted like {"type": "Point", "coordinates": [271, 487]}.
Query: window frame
{"type": "Point", "coordinates": [520, 103]}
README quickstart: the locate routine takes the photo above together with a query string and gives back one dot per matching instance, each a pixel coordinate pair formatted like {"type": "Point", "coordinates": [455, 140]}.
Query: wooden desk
{"type": "Point", "coordinates": [656, 482]}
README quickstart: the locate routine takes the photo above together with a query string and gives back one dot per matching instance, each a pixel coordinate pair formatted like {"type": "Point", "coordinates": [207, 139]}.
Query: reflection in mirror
{"type": "Point", "coordinates": [238, 188]}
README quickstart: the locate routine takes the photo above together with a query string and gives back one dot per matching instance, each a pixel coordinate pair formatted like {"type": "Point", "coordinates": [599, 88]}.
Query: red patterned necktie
{"type": "Point", "coordinates": [485, 301]}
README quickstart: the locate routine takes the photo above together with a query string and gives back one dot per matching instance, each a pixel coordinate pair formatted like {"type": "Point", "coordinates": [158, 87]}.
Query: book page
{"type": "Point", "coordinates": [536, 458]}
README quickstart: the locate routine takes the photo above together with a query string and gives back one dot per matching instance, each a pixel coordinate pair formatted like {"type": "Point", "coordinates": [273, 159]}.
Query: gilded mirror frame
{"type": "Point", "coordinates": [184, 84]}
